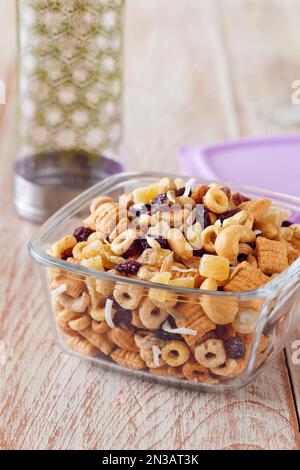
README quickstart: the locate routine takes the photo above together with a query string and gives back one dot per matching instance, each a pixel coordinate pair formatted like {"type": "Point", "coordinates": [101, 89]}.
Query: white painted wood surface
{"type": "Point", "coordinates": [196, 71]}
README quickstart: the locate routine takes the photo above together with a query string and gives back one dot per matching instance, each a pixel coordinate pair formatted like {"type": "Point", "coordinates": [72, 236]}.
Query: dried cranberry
{"type": "Point", "coordinates": [163, 242]}
{"type": "Point", "coordinates": [223, 332]}
{"type": "Point", "coordinates": [123, 319]}
{"type": "Point", "coordinates": [242, 257]}
{"type": "Point", "coordinates": [129, 267]}
{"type": "Point", "coordinates": [180, 192]}
{"type": "Point", "coordinates": [227, 191]}
{"type": "Point", "coordinates": [136, 210]}
{"type": "Point", "coordinates": [82, 233]}
{"type": "Point", "coordinates": [134, 250]}
{"type": "Point", "coordinates": [67, 254]}
{"type": "Point", "coordinates": [286, 223]}
{"type": "Point", "coordinates": [228, 214]}
{"type": "Point", "coordinates": [202, 215]}
{"type": "Point", "coordinates": [239, 198]}
{"type": "Point", "coordinates": [199, 253]}
{"type": "Point", "coordinates": [161, 203]}
{"type": "Point", "coordinates": [235, 348]}
{"type": "Point", "coordinates": [206, 218]}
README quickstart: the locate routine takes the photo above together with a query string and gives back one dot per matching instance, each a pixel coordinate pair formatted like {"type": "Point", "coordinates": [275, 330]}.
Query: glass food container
{"type": "Point", "coordinates": [272, 307]}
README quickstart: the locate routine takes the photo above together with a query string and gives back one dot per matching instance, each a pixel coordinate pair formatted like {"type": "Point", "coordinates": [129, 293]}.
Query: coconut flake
{"type": "Point", "coordinates": [188, 186]}
{"type": "Point", "coordinates": [180, 331]}
{"type": "Point", "coordinates": [153, 243]}
{"type": "Point", "coordinates": [59, 290]}
{"type": "Point", "coordinates": [106, 241]}
{"type": "Point", "coordinates": [190, 270]}
{"type": "Point", "coordinates": [108, 313]}
{"type": "Point", "coordinates": [257, 232]}
{"type": "Point", "coordinates": [156, 353]}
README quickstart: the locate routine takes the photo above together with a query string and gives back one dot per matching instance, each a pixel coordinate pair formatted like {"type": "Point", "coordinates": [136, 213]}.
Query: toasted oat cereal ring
{"type": "Point", "coordinates": [216, 200]}
{"type": "Point", "coordinates": [194, 372]}
{"type": "Point", "coordinates": [127, 296]}
{"type": "Point", "coordinates": [100, 327]}
{"type": "Point", "coordinates": [65, 244]}
{"type": "Point", "coordinates": [226, 369]}
{"type": "Point", "coordinates": [175, 353]}
{"type": "Point", "coordinates": [123, 339]}
{"type": "Point", "coordinates": [77, 250]}
{"type": "Point", "coordinates": [167, 371]}
{"type": "Point", "coordinates": [135, 319]}
{"type": "Point", "coordinates": [129, 359]}
{"type": "Point", "coordinates": [209, 236]}
{"type": "Point", "coordinates": [80, 323]}
{"type": "Point", "coordinates": [211, 353]}
{"type": "Point", "coordinates": [151, 316]}
{"type": "Point", "coordinates": [123, 241]}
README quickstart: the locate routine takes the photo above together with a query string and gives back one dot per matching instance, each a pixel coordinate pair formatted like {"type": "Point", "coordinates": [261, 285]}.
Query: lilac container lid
{"type": "Point", "coordinates": [269, 163]}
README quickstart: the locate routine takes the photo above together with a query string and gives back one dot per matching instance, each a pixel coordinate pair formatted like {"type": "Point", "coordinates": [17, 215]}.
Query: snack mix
{"type": "Point", "coordinates": [175, 234]}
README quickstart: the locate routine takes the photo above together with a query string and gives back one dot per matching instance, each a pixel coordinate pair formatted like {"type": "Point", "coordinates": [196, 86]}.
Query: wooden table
{"type": "Point", "coordinates": [196, 71]}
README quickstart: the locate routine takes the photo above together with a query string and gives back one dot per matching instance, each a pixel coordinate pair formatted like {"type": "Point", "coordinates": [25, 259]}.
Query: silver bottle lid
{"type": "Point", "coordinates": [44, 183]}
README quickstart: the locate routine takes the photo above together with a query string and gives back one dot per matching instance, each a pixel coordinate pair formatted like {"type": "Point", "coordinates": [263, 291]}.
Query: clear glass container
{"type": "Point", "coordinates": [70, 59]}
{"type": "Point", "coordinates": [272, 307]}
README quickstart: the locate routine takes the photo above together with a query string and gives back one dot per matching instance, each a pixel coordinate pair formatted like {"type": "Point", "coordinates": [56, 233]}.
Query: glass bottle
{"type": "Point", "coordinates": [69, 106]}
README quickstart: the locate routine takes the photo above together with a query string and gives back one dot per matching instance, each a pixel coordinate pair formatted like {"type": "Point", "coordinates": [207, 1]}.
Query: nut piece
{"type": "Point", "coordinates": [211, 353]}
{"type": "Point", "coordinates": [123, 339]}
{"type": "Point", "coordinates": [228, 240]}
{"type": "Point", "coordinates": [246, 277]}
{"type": "Point", "coordinates": [257, 207]}
{"type": "Point", "coordinates": [220, 310]}
{"type": "Point", "coordinates": [129, 359]}
{"type": "Point", "coordinates": [271, 255]}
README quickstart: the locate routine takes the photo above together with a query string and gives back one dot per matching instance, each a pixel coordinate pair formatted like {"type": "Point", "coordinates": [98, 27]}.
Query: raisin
{"type": "Point", "coordinates": [169, 336]}
{"type": "Point", "coordinates": [128, 267]}
{"type": "Point", "coordinates": [227, 191]}
{"type": "Point", "coordinates": [160, 203]}
{"type": "Point", "coordinates": [228, 214]}
{"type": "Point", "coordinates": [134, 250]}
{"type": "Point", "coordinates": [235, 348]}
{"type": "Point", "coordinates": [82, 233]}
{"type": "Point", "coordinates": [223, 332]}
{"type": "Point", "coordinates": [180, 192]}
{"type": "Point", "coordinates": [242, 257]}
{"type": "Point", "coordinates": [67, 254]}
{"type": "Point", "coordinates": [163, 242]}
{"type": "Point", "coordinates": [200, 252]}
{"type": "Point", "coordinates": [239, 198]}
{"type": "Point", "coordinates": [286, 223]}
{"type": "Point", "coordinates": [206, 218]}
{"type": "Point", "coordinates": [202, 215]}
{"type": "Point", "coordinates": [123, 319]}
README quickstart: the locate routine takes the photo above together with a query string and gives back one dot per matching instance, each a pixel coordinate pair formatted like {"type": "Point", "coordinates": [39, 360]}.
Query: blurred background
{"type": "Point", "coordinates": [195, 72]}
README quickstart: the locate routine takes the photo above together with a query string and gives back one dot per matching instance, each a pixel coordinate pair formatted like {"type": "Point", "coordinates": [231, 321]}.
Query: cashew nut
{"type": "Point", "coordinates": [228, 240]}
{"type": "Point", "coordinates": [78, 305]}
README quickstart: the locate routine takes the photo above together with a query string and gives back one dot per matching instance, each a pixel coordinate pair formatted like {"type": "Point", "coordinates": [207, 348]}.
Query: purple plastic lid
{"type": "Point", "coordinates": [269, 163]}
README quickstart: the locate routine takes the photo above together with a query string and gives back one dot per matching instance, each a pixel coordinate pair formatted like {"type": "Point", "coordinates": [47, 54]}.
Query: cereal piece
{"type": "Point", "coordinates": [153, 257]}
{"type": "Point", "coordinates": [82, 346]}
{"type": "Point", "coordinates": [123, 241]}
{"type": "Point", "coordinates": [145, 340]}
{"type": "Point", "coordinates": [209, 236]}
{"type": "Point", "coordinates": [80, 323]}
{"type": "Point", "coordinates": [226, 369]}
{"type": "Point", "coordinates": [62, 246]}
{"type": "Point", "coordinates": [100, 327]}
{"type": "Point", "coordinates": [192, 316]}
{"type": "Point", "coordinates": [245, 322]}
{"type": "Point", "coordinates": [271, 255]}
{"type": "Point", "coordinates": [257, 207]}
{"type": "Point", "coordinates": [135, 320]}
{"type": "Point", "coordinates": [194, 372]}
{"type": "Point", "coordinates": [64, 327]}
{"type": "Point", "coordinates": [220, 310]}
{"type": "Point", "coordinates": [78, 305]}
{"type": "Point", "coordinates": [167, 371]}
{"type": "Point", "coordinates": [128, 296]}
{"type": "Point", "coordinates": [175, 353]}
{"type": "Point", "coordinates": [101, 342]}
{"type": "Point", "coordinates": [151, 316]}
{"type": "Point", "coordinates": [211, 353]}
{"type": "Point", "coordinates": [245, 277]}
{"type": "Point", "coordinates": [129, 359]}
{"type": "Point", "coordinates": [123, 339]}
{"type": "Point", "coordinates": [214, 267]}
{"type": "Point", "coordinates": [146, 272]}
{"type": "Point", "coordinates": [292, 253]}
{"type": "Point", "coordinates": [216, 200]}
{"type": "Point", "coordinates": [179, 244]}
{"type": "Point", "coordinates": [252, 260]}
{"type": "Point", "coordinates": [148, 356]}
{"type": "Point", "coordinates": [199, 192]}
{"type": "Point", "coordinates": [268, 230]}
